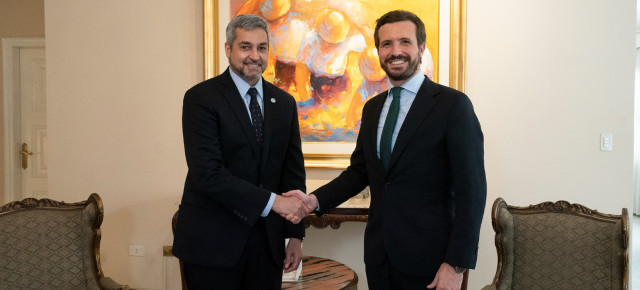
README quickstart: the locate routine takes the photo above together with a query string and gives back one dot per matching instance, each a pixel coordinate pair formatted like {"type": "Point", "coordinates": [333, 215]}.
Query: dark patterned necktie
{"type": "Point", "coordinates": [389, 125]}
{"type": "Point", "coordinates": [256, 114]}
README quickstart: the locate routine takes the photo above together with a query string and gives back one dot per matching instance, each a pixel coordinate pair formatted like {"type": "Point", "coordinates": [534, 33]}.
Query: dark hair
{"type": "Point", "coordinates": [246, 22]}
{"type": "Point", "coordinates": [397, 16]}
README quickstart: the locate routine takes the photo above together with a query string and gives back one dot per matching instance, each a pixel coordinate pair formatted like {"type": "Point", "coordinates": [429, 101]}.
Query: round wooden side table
{"type": "Point", "coordinates": [323, 273]}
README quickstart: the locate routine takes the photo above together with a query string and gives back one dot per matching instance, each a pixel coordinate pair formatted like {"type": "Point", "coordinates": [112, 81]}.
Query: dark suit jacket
{"type": "Point", "coordinates": [428, 206]}
{"type": "Point", "coordinates": [229, 181]}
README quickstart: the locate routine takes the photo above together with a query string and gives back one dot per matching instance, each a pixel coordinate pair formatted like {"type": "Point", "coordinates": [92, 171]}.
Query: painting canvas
{"type": "Point", "coordinates": [323, 53]}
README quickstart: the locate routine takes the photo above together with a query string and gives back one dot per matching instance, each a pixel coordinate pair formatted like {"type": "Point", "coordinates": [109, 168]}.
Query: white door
{"type": "Point", "coordinates": [25, 111]}
{"type": "Point", "coordinates": [33, 120]}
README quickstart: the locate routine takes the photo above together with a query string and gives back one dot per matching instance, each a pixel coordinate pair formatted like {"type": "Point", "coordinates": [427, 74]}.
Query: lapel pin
{"type": "Point", "coordinates": [273, 100]}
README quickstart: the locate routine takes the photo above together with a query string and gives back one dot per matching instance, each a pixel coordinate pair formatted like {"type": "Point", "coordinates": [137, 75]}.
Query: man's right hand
{"type": "Point", "coordinates": [291, 208]}
{"type": "Point", "coordinates": [310, 201]}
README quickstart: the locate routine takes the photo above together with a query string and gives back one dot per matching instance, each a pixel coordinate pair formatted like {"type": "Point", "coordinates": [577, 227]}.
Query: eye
{"type": "Point", "coordinates": [263, 48]}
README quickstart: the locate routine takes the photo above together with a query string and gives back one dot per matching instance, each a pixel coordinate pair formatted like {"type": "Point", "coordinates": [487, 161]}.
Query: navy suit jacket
{"type": "Point", "coordinates": [229, 180]}
{"type": "Point", "coordinates": [428, 206]}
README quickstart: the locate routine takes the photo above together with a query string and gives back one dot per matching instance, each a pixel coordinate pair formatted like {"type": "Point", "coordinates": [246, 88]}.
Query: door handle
{"type": "Point", "coordinates": [25, 154]}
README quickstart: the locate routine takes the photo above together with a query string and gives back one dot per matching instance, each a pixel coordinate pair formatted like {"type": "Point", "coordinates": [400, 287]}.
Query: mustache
{"type": "Point", "coordinates": [249, 62]}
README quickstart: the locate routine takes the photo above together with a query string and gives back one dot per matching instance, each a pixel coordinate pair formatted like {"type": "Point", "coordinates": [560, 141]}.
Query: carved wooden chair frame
{"type": "Point", "coordinates": [562, 207]}
{"type": "Point", "coordinates": [45, 203]}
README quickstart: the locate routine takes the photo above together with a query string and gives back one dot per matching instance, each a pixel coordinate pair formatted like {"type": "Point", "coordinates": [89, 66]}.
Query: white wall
{"type": "Point", "coordinates": [546, 77]}
{"type": "Point", "coordinates": [116, 75]}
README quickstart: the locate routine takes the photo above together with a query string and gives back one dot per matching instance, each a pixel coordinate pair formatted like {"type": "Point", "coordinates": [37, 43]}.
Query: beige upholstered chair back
{"type": "Point", "coordinates": [560, 246]}
{"type": "Point", "coordinates": [46, 244]}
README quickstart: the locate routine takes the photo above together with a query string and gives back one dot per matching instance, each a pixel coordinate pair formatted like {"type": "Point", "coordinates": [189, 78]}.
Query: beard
{"type": "Point", "coordinates": [395, 75]}
{"type": "Point", "coordinates": [249, 73]}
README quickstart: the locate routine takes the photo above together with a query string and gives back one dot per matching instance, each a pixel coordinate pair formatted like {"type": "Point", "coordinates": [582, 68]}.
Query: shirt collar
{"type": "Point", "coordinates": [243, 86]}
{"type": "Point", "coordinates": [413, 84]}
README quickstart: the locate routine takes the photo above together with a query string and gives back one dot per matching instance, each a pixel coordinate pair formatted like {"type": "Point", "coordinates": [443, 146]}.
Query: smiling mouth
{"type": "Point", "coordinates": [397, 61]}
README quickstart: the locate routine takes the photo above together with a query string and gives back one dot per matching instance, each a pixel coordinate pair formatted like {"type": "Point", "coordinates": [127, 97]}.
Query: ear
{"type": "Point", "coordinates": [421, 48]}
{"type": "Point", "coordinates": [227, 49]}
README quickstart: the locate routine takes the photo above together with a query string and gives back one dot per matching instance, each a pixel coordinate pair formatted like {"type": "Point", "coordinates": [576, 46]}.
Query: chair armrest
{"type": "Point", "coordinates": [108, 284]}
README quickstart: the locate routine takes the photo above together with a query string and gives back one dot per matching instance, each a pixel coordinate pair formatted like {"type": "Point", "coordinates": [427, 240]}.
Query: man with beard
{"type": "Point", "coordinates": [420, 149]}
{"type": "Point", "coordinates": [242, 145]}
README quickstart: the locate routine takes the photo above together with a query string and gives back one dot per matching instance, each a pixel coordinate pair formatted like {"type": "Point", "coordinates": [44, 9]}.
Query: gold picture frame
{"type": "Point", "coordinates": [336, 155]}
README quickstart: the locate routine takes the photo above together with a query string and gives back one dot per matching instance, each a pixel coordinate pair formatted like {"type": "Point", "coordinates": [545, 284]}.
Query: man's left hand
{"type": "Point", "coordinates": [446, 279]}
{"type": "Point", "coordinates": [294, 255]}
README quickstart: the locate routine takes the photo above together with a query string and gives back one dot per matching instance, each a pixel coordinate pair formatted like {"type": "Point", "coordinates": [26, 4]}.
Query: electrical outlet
{"type": "Point", "coordinates": [137, 251]}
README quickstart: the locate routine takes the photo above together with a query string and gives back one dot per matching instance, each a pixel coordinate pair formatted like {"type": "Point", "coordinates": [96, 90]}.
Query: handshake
{"type": "Point", "coordinates": [294, 205]}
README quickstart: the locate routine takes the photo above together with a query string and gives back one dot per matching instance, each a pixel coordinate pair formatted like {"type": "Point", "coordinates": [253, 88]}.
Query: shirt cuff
{"type": "Point", "coordinates": [267, 208]}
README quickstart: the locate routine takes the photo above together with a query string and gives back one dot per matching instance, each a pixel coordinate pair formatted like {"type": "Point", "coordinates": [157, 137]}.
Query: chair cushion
{"type": "Point", "coordinates": [562, 251]}
{"type": "Point", "coordinates": [48, 249]}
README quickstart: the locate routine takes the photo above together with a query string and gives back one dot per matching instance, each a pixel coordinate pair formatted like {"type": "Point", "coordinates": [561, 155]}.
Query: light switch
{"type": "Point", "coordinates": [606, 142]}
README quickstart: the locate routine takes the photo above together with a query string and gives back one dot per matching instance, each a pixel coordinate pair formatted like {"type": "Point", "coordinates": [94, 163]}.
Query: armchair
{"type": "Point", "coordinates": [559, 246]}
{"type": "Point", "coordinates": [48, 244]}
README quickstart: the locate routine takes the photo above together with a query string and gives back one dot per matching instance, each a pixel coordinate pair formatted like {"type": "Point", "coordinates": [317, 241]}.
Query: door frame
{"type": "Point", "coordinates": [636, 129]}
{"type": "Point", "coordinates": [11, 104]}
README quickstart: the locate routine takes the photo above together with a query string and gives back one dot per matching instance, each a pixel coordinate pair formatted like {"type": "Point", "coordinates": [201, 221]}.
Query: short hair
{"type": "Point", "coordinates": [397, 16]}
{"type": "Point", "coordinates": [246, 22]}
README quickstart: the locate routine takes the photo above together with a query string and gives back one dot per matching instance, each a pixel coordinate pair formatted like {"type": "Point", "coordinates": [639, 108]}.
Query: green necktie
{"type": "Point", "coordinates": [389, 125]}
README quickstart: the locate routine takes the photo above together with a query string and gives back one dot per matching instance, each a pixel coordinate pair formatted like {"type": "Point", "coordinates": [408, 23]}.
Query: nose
{"type": "Point", "coordinates": [254, 55]}
{"type": "Point", "coordinates": [396, 49]}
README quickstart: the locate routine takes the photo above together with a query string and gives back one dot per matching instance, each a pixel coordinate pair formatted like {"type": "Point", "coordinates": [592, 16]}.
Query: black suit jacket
{"type": "Point", "coordinates": [229, 180]}
{"type": "Point", "coordinates": [428, 206]}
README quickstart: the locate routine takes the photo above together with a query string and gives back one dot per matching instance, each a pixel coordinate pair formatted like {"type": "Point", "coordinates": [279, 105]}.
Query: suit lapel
{"type": "Point", "coordinates": [372, 130]}
{"type": "Point", "coordinates": [422, 105]}
{"type": "Point", "coordinates": [236, 103]}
